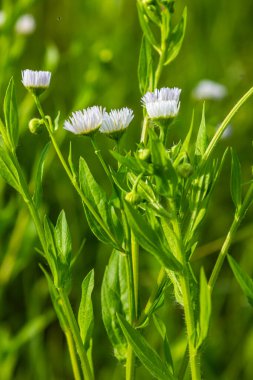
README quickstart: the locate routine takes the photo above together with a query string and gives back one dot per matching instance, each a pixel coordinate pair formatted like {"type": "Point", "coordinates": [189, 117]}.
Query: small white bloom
{"type": "Point", "coordinates": [163, 103]}
{"type": "Point", "coordinates": [2, 18]}
{"type": "Point", "coordinates": [36, 80]}
{"type": "Point", "coordinates": [116, 122]}
{"type": "Point", "coordinates": [25, 24]}
{"type": "Point", "coordinates": [207, 89]}
{"type": "Point", "coordinates": [86, 121]}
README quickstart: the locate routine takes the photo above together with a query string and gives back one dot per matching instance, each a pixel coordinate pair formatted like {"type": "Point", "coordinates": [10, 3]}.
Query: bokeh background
{"type": "Point", "coordinates": [92, 48]}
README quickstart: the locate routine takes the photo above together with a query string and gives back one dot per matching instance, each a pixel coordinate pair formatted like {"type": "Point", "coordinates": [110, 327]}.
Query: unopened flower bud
{"type": "Point", "coordinates": [36, 126]}
{"type": "Point", "coordinates": [185, 169]}
{"type": "Point", "coordinates": [133, 198]}
{"type": "Point", "coordinates": [144, 154]}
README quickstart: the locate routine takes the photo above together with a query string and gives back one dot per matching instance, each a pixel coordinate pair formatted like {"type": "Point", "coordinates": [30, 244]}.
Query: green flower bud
{"type": "Point", "coordinates": [36, 126]}
{"type": "Point", "coordinates": [185, 170]}
{"type": "Point", "coordinates": [144, 154]}
{"type": "Point", "coordinates": [133, 198]}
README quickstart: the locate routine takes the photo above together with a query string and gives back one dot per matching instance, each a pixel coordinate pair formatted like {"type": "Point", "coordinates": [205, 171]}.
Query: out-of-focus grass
{"type": "Point", "coordinates": [92, 49]}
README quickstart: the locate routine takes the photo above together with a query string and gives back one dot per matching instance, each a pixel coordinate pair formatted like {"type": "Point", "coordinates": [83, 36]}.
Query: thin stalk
{"type": "Point", "coordinates": [224, 124]}
{"type": "Point", "coordinates": [101, 159]}
{"type": "Point", "coordinates": [130, 360]}
{"type": "Point", "coordinates": [87, 373]}
{"type": "Point", "coordinates": [194, 358]}
{"type": "Point", "coordinates": [135, 270]}
{"type": "Point", "coordinates": [72, 354]}
{"type": "Point", "coordinates": [230, 236]}
{"type": "Point", "coordinates": [71, 176]}
{"type": "Point", "coordinates": [160, 282]}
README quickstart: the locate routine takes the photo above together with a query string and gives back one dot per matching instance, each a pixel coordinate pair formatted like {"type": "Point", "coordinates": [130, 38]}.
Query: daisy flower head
{"type": "Point", "coordinates": [163, 103]}
{"type": "Point", "coordinates": [25, 25]}
{"type": "Point", "coordinates": [36, 81]}
{"type": "Point", "coordinates": [115, 123]}
{"type": "Point", "coordinates": [208, 89]}
{"type": "Point", "coordinates": [85, 122]}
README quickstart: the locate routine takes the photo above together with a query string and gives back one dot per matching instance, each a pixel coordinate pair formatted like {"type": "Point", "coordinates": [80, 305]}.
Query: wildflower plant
{"type": "Point", "coordinates": [159, 197]}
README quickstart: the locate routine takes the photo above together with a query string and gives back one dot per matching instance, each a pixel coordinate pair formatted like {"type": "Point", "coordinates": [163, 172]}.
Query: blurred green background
{"type": "Point", "coordinates": [92, 49]}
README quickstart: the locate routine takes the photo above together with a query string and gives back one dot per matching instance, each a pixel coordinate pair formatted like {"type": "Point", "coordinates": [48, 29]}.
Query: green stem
{"type": "Point", "coordinates": [87, 373]}
{"type": "Point", "coordinates": [101, 159]}
{"type": "Point", "coordinates": [224, 124]}
{"type": "Point", "coordinates": [135, 270]}
{"type": "Point", "coordinates": [71, 176]}
{"type": "Point", "coordinates": [160, 282]}
{"type": "Point", "coordinates": [239, 215]}
{"type": "Point", "coordinates": [72, 354]}
{"type": "Point", "coordinates": [130, 360]}
{"type": "Point", "coordinates": [194, 358]}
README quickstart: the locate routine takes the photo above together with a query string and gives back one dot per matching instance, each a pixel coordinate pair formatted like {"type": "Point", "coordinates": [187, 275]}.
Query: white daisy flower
{"type": "Point", "coordinates": [163, 103]}
{"type": "Point", "coordinates": [86, 121]}
{"type": "Point", "coordinates": [208, 89]}
{"type": "Point", "coordinates": [115, 123]}
{"type": "Point", "coordinates": [36, 81]}
{"type": "Point", "coordinates": [25, 24]}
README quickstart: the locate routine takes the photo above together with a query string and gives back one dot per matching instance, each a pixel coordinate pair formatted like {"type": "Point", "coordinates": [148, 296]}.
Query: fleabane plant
{"type": "Point", "coordinates": [159, 197]}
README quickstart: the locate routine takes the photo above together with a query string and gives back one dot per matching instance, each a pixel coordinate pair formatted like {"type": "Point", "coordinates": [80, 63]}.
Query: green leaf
{"type": "Point", "coordinates": [114, 299]}
{"type": "Point", "coordinates": [175, 39]}
{"type": "Point", "coordinates": [150, 239]}
{"type": "Point", "coordinates": [236, 181]}
{"type": "Point", "coordinates": [145, 67]}
{"type": "Point", "coordinates": [55, 300]}
{"type": "Point", "coordinates": [8, 170]}
{"type": "Point", "coordinates": [11, 114]}
{"type": "Point", "coordinates": [243, 279]}
{"type": "Point", "coordinates": [100, 203]}
{"type": "Point", "coordinates": [145, 352]}
{"type": "Point", "coordinates": [144, 22]}
{"type": "Point", "coordinates": [39, 176]}
{"type": "Point", "coordinates": [204, 308]}
{"type": "Point", "coordinates": [161, 328]}
{"type": "Point", "coordinates": [63, 238]}
{"type": "Point", "coordinates": [201, 142]}
{"type": "Point", "coordinates": [85, 312]}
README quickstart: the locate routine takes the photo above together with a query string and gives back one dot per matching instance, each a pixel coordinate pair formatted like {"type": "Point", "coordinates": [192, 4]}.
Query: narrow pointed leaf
{"type": "Point", "coordinates": [243, 279]}
{"type": "Point", "coordinates": [114, 299]}
{"type": "Point", "coordinates": [175, 39]}
{"type": "Point", "coordinates": [201, 142]}
{"type": "Point", "coordinates": [85, 312]}
{"type": "Point", "coordinates": [63, 238]}
{"type": "Point", "coordinates": [145, 352]}
{"type": "Point", "coordinates": [11, 114]}
{"type": "Point", "coordinates": [204, 308]}
{"type": "Point", "coordinates": [235, 181]}
{"type": "Point", "coordinates": [149, 239]}
{"type": "Point", "coordinates": [8, 170]}
{"type": "Point", "coordinates": [39, 176]}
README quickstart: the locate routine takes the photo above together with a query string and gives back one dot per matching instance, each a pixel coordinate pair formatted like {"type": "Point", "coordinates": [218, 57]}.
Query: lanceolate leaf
{"type": "Point", "coordinates": [144, 22]}
{"type": "Point", "coordinates": [201, 143]}
{"type": "Point", "coordinates": [204, 307]}
{"type": "Point", "coordinates": [85, 313]}
{"type": "Point", "coordinates": [235, 182]}
{"type": "Point", "coordinates": [149, 239]}
{"type": "Point", "coordinates": [8, 170]}
{"type": "Point", "coordinates": [243, 279]}
{"type": "Point", "coordinates": [145, 68]}
{"type": "Point", "coordinates": [114, 299]}
{"type": "Point", "coordinates": [100, 203]}
{"type": "Point", "coordinates": [63, 238]}
{"type": "Point", "coordinates": [11, 114]}
{"type": "Point", "coordinates": [175, 39]}
{"type": "Point", "coordinates": [39, 176]}
{"type": "Point", "coordinates": [145, 352]}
